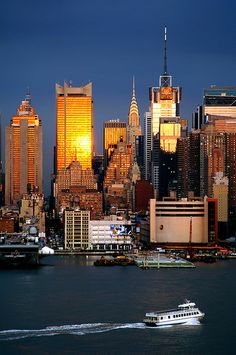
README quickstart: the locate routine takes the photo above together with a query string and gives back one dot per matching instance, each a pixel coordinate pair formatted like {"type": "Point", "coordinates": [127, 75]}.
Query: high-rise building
{"type": "Point", "coordinates": [74, 111]}
{"type": "Point", "coordinates": [77, 229]}
{"type": "Point", "coordinates": [183, 167]}
{"type": "Point", "coordinates": [165, 99]}
{"type": "Point", "coordinates": [23, 153]}
{"type": "Point", "coordinates": [220, 101]}
{"type": "Point", "coordinates": [134, 127]}
{"type": "Point", "coordinates": [113, 132]}
{"type": "Point", "coordinates": [198, 118]}
{"type": "Point", "coordinates": [220, 192]}
{"type": "Point", "coordinates": [139, 146]}
{"type": "Point", "coordinates": [148, 145]}
{"type": "Point", "coordinates": [170, 131]}
{"type": "Point", "coordinates": [166, 128]}
{"type": "Point", "coordinates": [117, 183]}
{"type": "Point", "coordinates": [194, 162]}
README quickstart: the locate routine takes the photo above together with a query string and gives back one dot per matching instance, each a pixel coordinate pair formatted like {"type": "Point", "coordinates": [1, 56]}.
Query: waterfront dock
{"type": "Point", "coordinates": [162, 261]}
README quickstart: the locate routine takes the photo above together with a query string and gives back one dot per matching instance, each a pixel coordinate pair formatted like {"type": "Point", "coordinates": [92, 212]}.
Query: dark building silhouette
{"type": "Point", "coordinates": [143, 192]}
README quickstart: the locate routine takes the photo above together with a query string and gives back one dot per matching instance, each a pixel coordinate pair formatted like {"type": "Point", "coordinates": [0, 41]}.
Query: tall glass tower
{"type": "Point", "coordinates": [74, 117]}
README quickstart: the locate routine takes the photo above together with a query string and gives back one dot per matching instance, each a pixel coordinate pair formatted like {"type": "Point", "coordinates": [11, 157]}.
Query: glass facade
{"type": "Point", "coordinates": [74, 125]}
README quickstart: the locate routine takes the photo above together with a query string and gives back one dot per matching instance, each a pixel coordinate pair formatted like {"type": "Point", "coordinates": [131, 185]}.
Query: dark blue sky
{"type": "Point", "coordinates": [107, 42]}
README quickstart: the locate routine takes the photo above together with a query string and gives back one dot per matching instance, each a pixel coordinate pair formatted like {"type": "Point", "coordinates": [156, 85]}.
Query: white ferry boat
{"type": "Point", "coordinates": [183, 314]}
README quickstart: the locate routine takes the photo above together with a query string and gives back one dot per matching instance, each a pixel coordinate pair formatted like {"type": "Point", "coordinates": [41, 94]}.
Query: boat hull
{"type": "Point", "coordinates": [173, 322]}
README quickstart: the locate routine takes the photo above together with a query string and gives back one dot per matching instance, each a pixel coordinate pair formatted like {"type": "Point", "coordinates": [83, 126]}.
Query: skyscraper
{"type": "Point", "coordinates": [148, 143]}
{"type": "Point", "coordinates": [220, 101]}
{"type": "Point", "coordinates": [134, 127]}
{"type": "Point", "coordinates": [117, 183]}
{"type": "Point", "coordinates": [165, 99]}
{"type": "Point", "coordinates": [113, 132]}
{"type": "Point", "coordinates": [74, 106]}
{"type": "Point", "coordinates": [164, 102]}
{"type": "Point", "coordinates": [23, 152]}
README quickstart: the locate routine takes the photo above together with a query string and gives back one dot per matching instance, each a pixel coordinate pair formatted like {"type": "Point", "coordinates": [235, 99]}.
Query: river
{"type": "Point", "coordinates": [69, 306]}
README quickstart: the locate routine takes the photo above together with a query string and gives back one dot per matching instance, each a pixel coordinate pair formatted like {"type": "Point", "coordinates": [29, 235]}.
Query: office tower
{"type": "Point", "coordinates": [209, 140]}
{"type": "Point", "coordinates": [117, 183]}
{"type": "Point", "coordinates": [23, 152]}
{"type": "Point", "coordinates": [194, 162]}
{"type": "Point", "coordinates": [198, 118]}
{"type": "Point", "coordinates": [167, 128]}
{"type": "Point", "coordinates": [156, 163]}
{"type": "Point", "coordinates": [143, 193]}
{"type": "Point", "coordinates": [76, 229]}
{"type": "Point", "coordinates": [165, 99]}
{"type": "Point", "coordinates": [134, 127]}
{"type": "Point", "coordinates": [170, 131]}
{"type": "Point", "coordinates": [98, 168]}
{"type": "Point", "coordinates": [113, 132]}
{"type": "Point", "coordinates": [220, 192]}
{"type": "Point", "coordinates": [139, 146]}
{"type": "Point", "coordinates": [230, 170]}
{"type": "Point", "coordinates": [167, 173]}
{"type": "Point", "coordinates": [220, 101]}
{"type": "Point", "coordinates": [148, 145]}
{"type": "Point", "coordinates": [183, 167]}
{"type": "Point", "coordinates": [74, 111]}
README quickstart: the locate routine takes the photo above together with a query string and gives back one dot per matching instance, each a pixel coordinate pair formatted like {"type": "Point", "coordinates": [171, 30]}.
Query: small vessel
{"type": "Point", "coordinates": [104, 262]}
{"type": "Point", "coordinates": [183, 314]}
{"type": "Point", "coordinates": [123, 260]}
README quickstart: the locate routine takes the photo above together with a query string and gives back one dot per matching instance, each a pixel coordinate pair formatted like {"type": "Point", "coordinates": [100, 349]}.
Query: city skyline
{"type": "Point", "coordinates": [108, 44]}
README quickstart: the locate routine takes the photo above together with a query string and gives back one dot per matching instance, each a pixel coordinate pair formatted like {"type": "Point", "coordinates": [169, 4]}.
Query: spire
{"type": "Point", "coordinates": [133, 117]}
{"type": "Point", "coordinates": [165, 78]}
{"type": "Point", "coordinates": [28, 96]}
{"type": "Point", "coordinates": [133, 86]}
{"type": "Point", "coordinates": [165, 52]}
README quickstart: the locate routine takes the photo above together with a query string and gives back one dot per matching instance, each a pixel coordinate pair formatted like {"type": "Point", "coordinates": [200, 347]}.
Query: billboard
{"type": "Point", "coordinates": [166, 93]}
{"type": "Point", "coordinates": [119, 230]}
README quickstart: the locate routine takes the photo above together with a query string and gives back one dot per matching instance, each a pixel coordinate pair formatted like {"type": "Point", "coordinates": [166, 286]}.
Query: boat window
{"type": "Point", "coordinates": [161, 317]}
{"type": "Point", "coordinates": [169, 317]}
{"type": "Point", "coordinates": [173, 316]}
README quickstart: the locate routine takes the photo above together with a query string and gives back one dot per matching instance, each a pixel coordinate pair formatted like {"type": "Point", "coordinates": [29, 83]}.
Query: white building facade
{"type": "Point", "coordinates": [110, 235]}
{"type": "Point", "coordinates": [181, 221]}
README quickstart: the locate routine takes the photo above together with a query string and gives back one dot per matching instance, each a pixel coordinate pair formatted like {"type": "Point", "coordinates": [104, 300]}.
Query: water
{"type": "Point", "coordinates": [69, 306]}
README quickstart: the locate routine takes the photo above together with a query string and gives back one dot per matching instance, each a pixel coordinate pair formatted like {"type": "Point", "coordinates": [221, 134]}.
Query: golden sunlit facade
{"type": "Point", "coordinates": [113, 132]}
{"type": "Point", "coordinates": [169, 133]}
{"type": "Point", "coordinates": [164, 103]}
{"type": "Point", "coordinates": [23, 151]}
{"type": "Point", "coordinates": [74, 125]}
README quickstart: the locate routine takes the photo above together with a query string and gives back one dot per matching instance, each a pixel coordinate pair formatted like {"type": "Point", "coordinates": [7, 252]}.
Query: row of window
{"type": "Point", "coordinates": [182, 315]}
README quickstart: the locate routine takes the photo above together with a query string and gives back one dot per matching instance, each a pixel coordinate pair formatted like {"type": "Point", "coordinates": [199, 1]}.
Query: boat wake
{"type": "Point", "coordinates": [76, 329]}
{"type": "Point", "coordinates": [193, 321]}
